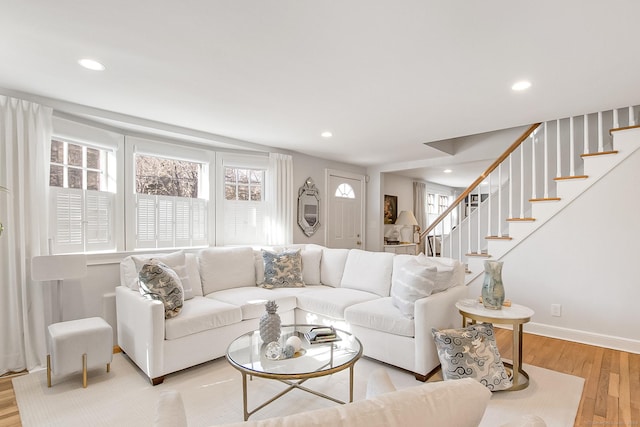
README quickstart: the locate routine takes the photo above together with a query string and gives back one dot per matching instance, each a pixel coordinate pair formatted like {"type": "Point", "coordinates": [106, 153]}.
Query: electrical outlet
{"type": "Point", "coordinates": [556, 310]}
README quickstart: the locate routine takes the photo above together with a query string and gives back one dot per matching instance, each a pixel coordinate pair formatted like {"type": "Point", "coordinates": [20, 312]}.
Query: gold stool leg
{"type": "Point", "coordinates": [84, 370]}
{"type": "Point", "coordinates": [108, 367]}
{"type": "Point", "coordinates": [48, 370]}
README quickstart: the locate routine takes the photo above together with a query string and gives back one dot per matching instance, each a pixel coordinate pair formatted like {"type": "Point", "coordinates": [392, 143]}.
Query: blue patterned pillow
{"type": "Point", "coordinates": [471, 352]}
{"type": "Point", "coordinates": [282, 270]}
{"type": "Point", "coordinates": [159, 282]}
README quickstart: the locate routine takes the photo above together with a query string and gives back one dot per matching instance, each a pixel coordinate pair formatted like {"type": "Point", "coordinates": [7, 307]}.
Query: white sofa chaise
{"type": "Point", "coordinates": [349, 289]}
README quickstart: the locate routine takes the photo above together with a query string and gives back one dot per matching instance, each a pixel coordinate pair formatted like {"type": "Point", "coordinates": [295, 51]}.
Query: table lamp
{"type": "Point", "coordinates": [407, 220]}
{"type": "Point", "coordinates": [59, 268]}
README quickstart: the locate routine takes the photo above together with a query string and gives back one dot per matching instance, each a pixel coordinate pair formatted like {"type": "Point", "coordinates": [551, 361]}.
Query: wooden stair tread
{"type": "Point", "coordinates": [546, 199]}
{"type": "Point", "coordinates": [483, 254]}
{"type": "Point", "coordinates": [623, 128]}
{"type": "Point", "coordinates": [602, 153]}
{"type": "Point", "coordinates": [521, 219]}
{"type": "Point", "coordinates": [562, 178]}
{"type": "Point", "coordinates": [499, 238]}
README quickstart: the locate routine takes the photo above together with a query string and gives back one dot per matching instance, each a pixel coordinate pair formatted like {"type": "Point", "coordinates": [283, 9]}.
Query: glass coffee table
{"type": "Point", "coordinates": [247, 354]}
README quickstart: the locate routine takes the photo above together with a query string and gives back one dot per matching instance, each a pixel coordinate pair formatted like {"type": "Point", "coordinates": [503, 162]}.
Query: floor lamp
{"type": "Point", "coordinates": [58, 268]}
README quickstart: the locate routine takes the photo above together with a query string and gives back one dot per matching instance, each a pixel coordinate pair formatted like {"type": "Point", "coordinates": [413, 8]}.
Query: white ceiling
{"type": "Point", "coordinates": [383, 76]}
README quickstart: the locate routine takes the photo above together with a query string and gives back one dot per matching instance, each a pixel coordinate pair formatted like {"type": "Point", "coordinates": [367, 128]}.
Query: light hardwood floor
{"type": "Point", "coordinates": [611, 395]}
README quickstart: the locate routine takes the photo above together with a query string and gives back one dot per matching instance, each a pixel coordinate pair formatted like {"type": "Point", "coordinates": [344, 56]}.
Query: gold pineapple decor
{"type": "Point", "coordinates": [270, 323]}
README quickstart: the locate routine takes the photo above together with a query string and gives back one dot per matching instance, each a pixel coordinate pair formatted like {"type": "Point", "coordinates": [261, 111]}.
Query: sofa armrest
{"type": "Point", "coordinates": [141, 330]}
{"type": "Point", "coordinates": [435, 311]}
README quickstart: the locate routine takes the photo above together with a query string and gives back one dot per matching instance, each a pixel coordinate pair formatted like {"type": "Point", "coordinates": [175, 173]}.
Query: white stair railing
{"type": "Point", "coordinates": [484, 209]}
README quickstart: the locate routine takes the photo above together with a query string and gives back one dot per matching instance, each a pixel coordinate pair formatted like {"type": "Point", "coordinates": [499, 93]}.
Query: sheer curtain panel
{"type": "Point", "coordinates": [420, 208]}
{"type": "Point", "coordinates": [280, 199]}
{"type": "Point", "coordinates": [25, 141]}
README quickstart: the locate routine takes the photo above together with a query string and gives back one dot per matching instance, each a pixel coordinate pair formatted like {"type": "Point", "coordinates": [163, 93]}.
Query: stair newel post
{"type": "Point", "coordinates": [510, 186]}
{"type": "Point", "coordinates": [585, 150]}
{"type": "Point", "coordinates": [479, 219]}
{"type": "Point", "coordinates": [489, 197]}
{"type": "Point", "coordinates": [558, 150]}
{"type": "Point", "coordinates": [546, 163]}
{"type": "Point", "coordinates": [600, 139]}
{"type": "Point", "coordinates": [534, 187]}
{"type": "Point", "coordinates": [522, 181]}
{"type": "Point", "coordinates": [616, 122]}
{"type": "Point", "coordinates": [572, 165]}
{"type": "Point", "coordinates": [632, 121]}
{"type": "Point", "coordinates": [500, 200]}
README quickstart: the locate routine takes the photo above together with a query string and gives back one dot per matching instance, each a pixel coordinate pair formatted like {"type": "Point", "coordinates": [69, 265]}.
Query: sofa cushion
{"type": "Point", "coordinates": [251, 300]}
{"type": "Point", "coordinates": [331, 302]}
{"type": "Point", "coordinates": [471, 352]}
{"type": "Point", "coordinates": [226, 268]}
{"type": "Point", "coordinates": [411, 281]}
{"type": "Point", "coordinates": [282, 269]}
{"type": "Point", "coordinates": [368, 271]}
{"type": "Point", "coordinates": [193, 270]}
{"type": "Point", "coordinates": [381, 315]}
{"type": "Point", "coordinates": [159, 282]}
{"type": "Point", "coordinates": [201, 314]}
{"type": "Point", "coordinates": [332, 266]}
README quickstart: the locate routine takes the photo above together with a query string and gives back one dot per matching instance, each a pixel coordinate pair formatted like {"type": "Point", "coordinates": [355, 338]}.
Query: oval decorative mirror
{"type": "Point", "coordinates": [309, 208]}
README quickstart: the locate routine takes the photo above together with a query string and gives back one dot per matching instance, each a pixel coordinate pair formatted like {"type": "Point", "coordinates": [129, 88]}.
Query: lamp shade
{"type": "Point", "coordinates": [406, 218]}
{"type": "Point", "coordinates": [58, 267]}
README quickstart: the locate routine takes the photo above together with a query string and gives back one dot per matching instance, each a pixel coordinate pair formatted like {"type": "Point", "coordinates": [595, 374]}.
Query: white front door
{"type": "Point", "coordinates": [345, 210]}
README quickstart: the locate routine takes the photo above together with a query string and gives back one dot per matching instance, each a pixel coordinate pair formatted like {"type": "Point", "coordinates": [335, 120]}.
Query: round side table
{"type": "Point", "coordinates": [516, 315]}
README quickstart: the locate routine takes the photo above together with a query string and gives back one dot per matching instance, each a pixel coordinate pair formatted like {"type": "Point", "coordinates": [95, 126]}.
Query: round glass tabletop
{"type": "Point", "coordinates": [247, 353]}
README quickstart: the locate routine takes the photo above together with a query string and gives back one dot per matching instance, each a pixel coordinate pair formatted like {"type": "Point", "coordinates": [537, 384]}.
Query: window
{"type": "Point", "coordinates": [345, 191]}
{"type": "Point", "coordinates": [81, 200]}
{"type": "Point", "coordinates": [170, 209]}
{"type": "Point", "coordinates": [437, 203]}
{"type": "Point", "coordinates": [244, 205]}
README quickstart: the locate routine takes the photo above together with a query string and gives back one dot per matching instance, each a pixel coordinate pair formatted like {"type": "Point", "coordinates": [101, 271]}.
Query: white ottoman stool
{"type": "Point", "coordinates": [79, 344]}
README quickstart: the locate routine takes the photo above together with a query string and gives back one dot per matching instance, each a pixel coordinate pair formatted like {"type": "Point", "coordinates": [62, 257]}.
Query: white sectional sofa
{"type": "Point", "coordinates": [349, 289]}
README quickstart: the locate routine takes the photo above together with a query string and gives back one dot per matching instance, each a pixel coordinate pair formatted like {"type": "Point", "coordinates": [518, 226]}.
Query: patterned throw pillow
{"type": "Point", "coordinates": [159, 282]}
{"type": "Point", "coordinates": [410, 282]}
{"type": "Point", "coordinates": [471, 352]}
{"type": "Point", "coordinates": [282, 270]}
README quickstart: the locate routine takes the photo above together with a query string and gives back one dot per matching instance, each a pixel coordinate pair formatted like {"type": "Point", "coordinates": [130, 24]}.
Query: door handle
{"type": "Point", "coordinates": [358, 243]}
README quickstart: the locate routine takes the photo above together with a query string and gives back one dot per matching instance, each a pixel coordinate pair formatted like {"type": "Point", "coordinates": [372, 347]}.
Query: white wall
{"type": "Point", "coordinates": [307, 166]}
{"type": "Point", "coordinates": [585, 259]}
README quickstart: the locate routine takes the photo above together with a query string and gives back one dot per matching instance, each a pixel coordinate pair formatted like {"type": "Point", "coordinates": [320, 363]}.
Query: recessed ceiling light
{"type": "Point", "coordinates": [326, 134]}
{"type": "Point", "coordinates": [521, 85]}
{"type": "Point", "coordinates": [447, 171]}
{"type": "Point", "coordinates": [91, 64]}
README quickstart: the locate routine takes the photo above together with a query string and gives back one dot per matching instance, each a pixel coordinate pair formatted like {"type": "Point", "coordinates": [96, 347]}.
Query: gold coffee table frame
{"type": "Point", "coordinates": [246, 354]}
{"type": "Point", "coordinates": [516, 316]}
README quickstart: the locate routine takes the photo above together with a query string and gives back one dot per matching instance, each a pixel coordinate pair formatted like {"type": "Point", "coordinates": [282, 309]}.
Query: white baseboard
{"type": "Point", "coordinates": [584, 337]}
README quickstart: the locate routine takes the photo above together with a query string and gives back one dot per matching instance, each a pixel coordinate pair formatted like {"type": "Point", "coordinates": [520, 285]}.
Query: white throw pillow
{"type": "Point", "coordinates": [410, 282]}
{"type": "Point", "coordinates": [225, 268]}
{"type": "Point", "coordinates": [450, 271]}
{"type": "Point", "coordinates": [311, 258]}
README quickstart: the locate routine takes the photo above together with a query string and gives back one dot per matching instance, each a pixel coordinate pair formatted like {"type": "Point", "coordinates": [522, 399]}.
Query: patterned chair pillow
{"type": "Point", "coordinates": [159, 282]}
{"type": "Point", "coordinates": [471, 352]}
{"type": "Point", "coordinates": [282, 270]}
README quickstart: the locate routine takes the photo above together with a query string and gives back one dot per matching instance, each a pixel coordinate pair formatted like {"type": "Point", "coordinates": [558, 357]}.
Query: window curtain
{"type": "Point", "coordinates": [280, 198]}
{"type": "Point", "coordinates": [25, 144]}
{"type": "Point", "coordinates": [420, 208]}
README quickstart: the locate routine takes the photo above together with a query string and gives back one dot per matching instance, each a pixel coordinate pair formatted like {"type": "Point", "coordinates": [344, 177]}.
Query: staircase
{"type": "Point", "coordinates": [538, 176]}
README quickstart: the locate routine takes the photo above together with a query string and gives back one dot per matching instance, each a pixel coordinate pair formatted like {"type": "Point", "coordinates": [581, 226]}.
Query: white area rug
{"type": "Point", "coordinates": [212, 394]}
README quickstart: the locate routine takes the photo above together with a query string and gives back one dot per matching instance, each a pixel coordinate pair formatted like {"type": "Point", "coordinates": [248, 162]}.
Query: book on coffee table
{"type": "Point", "coordinates": [321, 334]}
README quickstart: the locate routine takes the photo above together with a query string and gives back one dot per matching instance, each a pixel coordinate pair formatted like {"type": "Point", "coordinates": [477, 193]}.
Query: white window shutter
{"type": "Point", "coordinates": [145, 221]}
{"type": "Point", "coordinates": [166, 221]}
{"type": "Point", "coordinates": [99, 211]}
{"type": "Point", "coordinates": [182, 221]}
{"type": "Point", "coordinates": [199, 214]}
{"type": "Point", "coordinates": [67, 229]}
{"type": "Point", "coordinates": [244, 222]}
